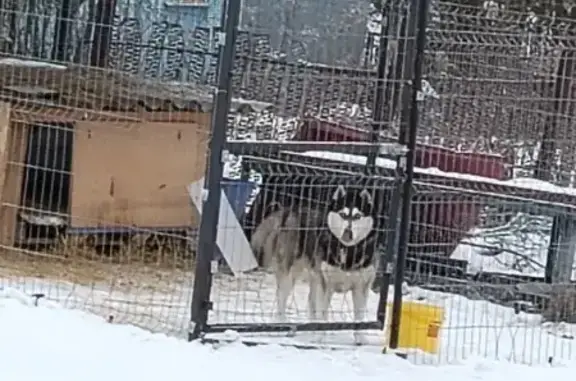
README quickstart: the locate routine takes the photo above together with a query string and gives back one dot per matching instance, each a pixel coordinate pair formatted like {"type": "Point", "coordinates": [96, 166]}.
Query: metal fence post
{"type": "Point", "coordinates": [387, 15]}
{"type": "Point", "coordinates": [412, 127]}
{"type": "Point", "coordinates": [398, 17]}
{"type": "Point", "coordinates": [201, 303]}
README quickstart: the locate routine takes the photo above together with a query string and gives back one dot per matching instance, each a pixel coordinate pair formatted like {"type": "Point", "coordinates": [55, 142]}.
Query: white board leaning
{"type": "Point", "coordinates": [230, 239]}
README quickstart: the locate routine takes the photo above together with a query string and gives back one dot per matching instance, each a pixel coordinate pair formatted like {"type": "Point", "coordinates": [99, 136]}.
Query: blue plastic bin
{"type": "Point", "coordinates": [238, 193]}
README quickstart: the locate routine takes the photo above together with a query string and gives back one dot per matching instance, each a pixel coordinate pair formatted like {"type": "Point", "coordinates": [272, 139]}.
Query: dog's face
{"type": "Point", "coordinates": [350, 218]}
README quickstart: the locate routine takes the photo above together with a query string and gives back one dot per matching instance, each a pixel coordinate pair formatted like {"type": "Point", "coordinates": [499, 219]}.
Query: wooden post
{"type": "Point", "coordinates": [562, 249]}
{"type": "Point", "coordinates": [13, 143]}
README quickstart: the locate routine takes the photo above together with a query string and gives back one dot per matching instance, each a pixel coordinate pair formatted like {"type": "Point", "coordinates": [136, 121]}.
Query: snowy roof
{"type": "Point", "coordinates": [543, 197]}
{"type": "Point", "coordinates": [79, 87]}
{"type": "Point", "coordinates": [521, 183]}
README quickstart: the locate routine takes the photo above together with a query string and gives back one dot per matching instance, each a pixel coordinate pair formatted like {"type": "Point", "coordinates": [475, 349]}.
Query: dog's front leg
{"type": "Point", "coordinates": [284, 285]}
{"type": "Point", "coordinates": [317, 303]}
{"type": "Point", "coordinates": [319, 299]}
{"type": "Point", "coordinates": [360, 303]}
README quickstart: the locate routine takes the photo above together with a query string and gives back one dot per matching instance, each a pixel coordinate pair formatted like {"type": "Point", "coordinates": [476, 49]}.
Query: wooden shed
{"type": "Point", "coordinates": [98, 149]}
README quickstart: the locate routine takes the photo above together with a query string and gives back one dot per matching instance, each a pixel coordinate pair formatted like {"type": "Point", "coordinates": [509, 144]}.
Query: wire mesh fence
{"type": "Point", "coordinates": [276, 69]}
{"type": "Point", "coordinates": [502, 80]}
{"type": "Point", "coordinates": [91, 218]}
{"type": "Point", "coordinates": [96, 162]}
{"type": "Point", "coordinates": [490, 239]}
{"type": "Point", "coordinates": [106, 142]}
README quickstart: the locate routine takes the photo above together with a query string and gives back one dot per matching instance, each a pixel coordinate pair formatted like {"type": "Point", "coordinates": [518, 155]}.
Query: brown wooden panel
{"type": "Point", "coordinates": [135, 176]}
{"type": "Point", "coordinates": [4, 146]}
{"type": "Point", "coordinates": [13, 142]}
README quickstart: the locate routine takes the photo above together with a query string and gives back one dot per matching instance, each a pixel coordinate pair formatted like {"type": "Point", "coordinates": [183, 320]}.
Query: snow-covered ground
{"type": "Point", "coordinates": [517, 247]}
{"type": "Point", "coordinates": [471, 329]}
{"type": "Point", "coordinates": [49, 342]}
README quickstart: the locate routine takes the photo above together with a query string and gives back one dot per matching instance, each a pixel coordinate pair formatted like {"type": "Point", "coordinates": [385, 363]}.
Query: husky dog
{"type": "Point", "coordinates": [336, 248]}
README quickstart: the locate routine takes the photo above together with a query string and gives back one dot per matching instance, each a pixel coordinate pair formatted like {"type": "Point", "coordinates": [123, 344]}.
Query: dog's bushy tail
{"type": "Point", "coordinates": [265, 235]}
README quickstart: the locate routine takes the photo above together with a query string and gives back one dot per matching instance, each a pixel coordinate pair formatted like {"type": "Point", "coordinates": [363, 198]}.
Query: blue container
{"type": "Point", "coordinates": [238, 193]}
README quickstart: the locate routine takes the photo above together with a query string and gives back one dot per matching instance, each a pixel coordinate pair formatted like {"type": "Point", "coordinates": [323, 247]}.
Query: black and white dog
{"type": "Point", "coordinates": [336, 248]}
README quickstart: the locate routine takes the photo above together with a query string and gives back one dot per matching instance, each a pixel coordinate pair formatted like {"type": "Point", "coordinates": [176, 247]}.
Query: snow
{"type": "Point", "coordinates": [50, 342]}
{"type": "Point", "coordinates": [479, 339]}
{"type": "Point", "coordinates": [471, 329]}
{"type": "Point", "coordinates": [517, 247]}
{"type": "Point", "coordinates": [524, 183]}
{"type": "Point", "coordinates": [30, 63]}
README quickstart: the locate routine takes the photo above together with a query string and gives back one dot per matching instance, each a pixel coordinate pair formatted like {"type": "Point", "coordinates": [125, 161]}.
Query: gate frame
{"type": "Point", "coordinates": [406, 10]}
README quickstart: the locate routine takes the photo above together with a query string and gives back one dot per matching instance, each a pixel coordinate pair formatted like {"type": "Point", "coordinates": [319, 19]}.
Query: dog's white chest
{"type": "Point", "coordinates": [342, 281]}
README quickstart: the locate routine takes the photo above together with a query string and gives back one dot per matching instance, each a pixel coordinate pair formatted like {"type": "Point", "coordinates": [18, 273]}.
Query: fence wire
{"type": "Point", "coordinates": [491, 235]}
{"type": "Point", "coordinates": [108, 123]}
{"type": "Point", "coordinates": [95, 167]}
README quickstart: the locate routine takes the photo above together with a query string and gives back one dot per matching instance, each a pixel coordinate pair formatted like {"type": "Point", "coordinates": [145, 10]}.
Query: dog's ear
{"type": "Point", "coordinates": [339, 193]}
{"type": "Point", "coordinates": [366, 198]}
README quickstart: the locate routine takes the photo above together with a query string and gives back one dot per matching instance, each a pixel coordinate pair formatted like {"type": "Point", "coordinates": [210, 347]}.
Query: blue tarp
{"type": "Point", "coordinates": [238, 193]}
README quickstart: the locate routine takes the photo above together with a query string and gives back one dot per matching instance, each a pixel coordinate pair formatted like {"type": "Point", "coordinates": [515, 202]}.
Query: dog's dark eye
{"type": "Point", "coordinates": [356, 216]}
{"type": "Point", "coordinates": [344, 215]}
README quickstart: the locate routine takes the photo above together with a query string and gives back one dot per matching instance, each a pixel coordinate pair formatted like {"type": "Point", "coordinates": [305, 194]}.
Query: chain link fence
{"type": "Point", "coordinates": [107, 142]}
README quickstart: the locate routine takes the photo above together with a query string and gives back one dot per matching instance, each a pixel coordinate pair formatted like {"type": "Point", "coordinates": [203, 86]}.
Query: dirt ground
{"type": "Point", "coordinates": [99, 269]}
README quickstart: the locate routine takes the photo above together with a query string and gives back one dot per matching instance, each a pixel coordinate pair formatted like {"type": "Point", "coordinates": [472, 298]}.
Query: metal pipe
{"type": "Point", "coordinates": [201, 303]}
{"type": "Point", "coordinates": [378, 108]}
{"type": "Point", "coordinates": [410, 159]}
{"type": "Point", "coordinates": [387, 257]}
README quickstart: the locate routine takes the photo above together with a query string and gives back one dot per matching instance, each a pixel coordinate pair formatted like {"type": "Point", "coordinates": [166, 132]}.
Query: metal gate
{"type": "Point", "coordinates": [336, 120]}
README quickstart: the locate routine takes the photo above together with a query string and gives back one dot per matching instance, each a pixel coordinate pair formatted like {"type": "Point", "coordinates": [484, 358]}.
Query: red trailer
{"type": "Point", "coordinates": [438, 222]}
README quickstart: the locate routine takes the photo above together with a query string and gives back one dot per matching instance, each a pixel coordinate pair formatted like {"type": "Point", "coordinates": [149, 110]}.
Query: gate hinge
{"type": "Point", "coordinates": [402, 163]}
{"type": "Point", "coordinates": [214, 267]}
{"type": "Point", "coordinates": [225, 156]}
{"type": "Point", "coordinates": [208, 305]}
{"type": "Point", "coordinates": [220, 38]}
{"type": "Point", "coordinates": [392, 149]}
{"type": "Point", "coordinates": [389, 268]}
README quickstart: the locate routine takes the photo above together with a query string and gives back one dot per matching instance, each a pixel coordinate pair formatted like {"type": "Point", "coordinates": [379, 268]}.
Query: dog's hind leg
{"type": "Point", "coordinates": [360, 303]}
{"type": "Point", "coordinates": [315, 297]}
{"type": "Point", "coordinates": [326, 299]}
